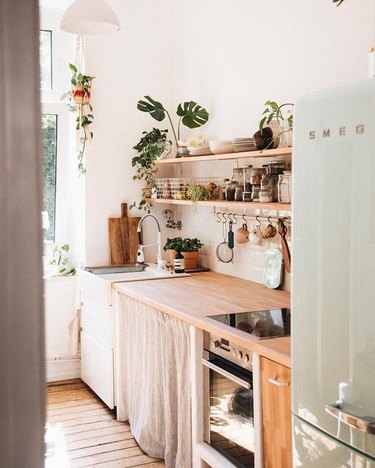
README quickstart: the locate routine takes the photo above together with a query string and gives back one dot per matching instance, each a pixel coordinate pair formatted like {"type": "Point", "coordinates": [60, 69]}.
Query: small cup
{"type": "Point", "coordinates": [255, 237]}
{"type": "Point", "coordinates": [242, 234]}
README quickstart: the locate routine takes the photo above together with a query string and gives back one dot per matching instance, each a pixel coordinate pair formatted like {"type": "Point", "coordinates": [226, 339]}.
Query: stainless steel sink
{"type": "Point", "coordinates": [107, 270]}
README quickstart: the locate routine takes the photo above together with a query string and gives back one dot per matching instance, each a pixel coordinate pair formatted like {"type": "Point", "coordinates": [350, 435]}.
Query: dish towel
{"type": "Point", "coordinates": [154, 388]}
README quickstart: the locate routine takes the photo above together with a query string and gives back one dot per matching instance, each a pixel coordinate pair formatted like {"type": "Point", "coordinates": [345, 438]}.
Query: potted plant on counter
{"type": "Point", "coordinates": [150, 147]}
{"type": "Point", "coordinates": [189, 248]}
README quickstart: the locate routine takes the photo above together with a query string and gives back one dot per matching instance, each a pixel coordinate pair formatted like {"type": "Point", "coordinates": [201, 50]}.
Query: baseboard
{"type": "Point", "coordinates": [63, 369]}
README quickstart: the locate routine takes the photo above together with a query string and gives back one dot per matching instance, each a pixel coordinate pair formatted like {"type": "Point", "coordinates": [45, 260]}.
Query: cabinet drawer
{"type": "Point", "coordinates": [276, 414]}
{"type": "Point", "coordinates": [97, 368]}
{"type": "Point", "coordinates": [98, 327]}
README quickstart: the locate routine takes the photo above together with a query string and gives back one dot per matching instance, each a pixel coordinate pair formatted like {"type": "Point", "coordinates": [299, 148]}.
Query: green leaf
{"type": "Point", "coordinates": [154, 108]}
{"type": "Point", "coordinates": [73, 68]}
{"type": "Point", "coordinates": [193, 115]}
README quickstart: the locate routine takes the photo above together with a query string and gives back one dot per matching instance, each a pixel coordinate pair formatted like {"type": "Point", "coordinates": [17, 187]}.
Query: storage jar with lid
{"type": "Point", "coordinates": [256, 175]}
{"type": "Point", "coordinates": [285, 187]}
{"type": "Point", "coordinates": [246, 178]}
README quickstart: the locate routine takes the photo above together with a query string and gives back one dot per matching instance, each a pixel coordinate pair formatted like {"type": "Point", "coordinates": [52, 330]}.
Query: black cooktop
{"type": "Point", "coordinates": [260, 324]}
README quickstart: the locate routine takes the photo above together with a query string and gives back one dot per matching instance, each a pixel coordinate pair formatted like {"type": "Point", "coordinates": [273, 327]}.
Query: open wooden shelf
{"type": "Point", "coordinates": [224, 203]}
{"type": "Point", "coordinates": [229, 156]}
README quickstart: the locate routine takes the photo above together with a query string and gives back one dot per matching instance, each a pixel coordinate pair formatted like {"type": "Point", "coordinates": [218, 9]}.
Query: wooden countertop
{"type": "Point", "coordinates": [193, 298]}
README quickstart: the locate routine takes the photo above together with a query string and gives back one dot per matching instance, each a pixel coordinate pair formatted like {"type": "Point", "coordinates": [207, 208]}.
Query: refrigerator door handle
{"type": "Point", "coordinates": [277, 383]}
{"type": "Point", "coordinates": [362, 423]}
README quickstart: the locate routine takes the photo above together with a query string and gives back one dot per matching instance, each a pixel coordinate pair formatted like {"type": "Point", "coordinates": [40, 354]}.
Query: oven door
{"type": "Point", "coordinates": [229, 414]}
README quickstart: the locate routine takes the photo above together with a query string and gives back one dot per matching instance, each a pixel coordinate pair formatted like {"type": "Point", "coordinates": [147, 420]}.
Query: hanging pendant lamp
{"type": "Point", "coordinates": [89, 17]}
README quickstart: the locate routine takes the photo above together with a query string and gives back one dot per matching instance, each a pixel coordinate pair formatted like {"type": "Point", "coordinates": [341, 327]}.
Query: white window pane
{"type": "Point", "coordinates": [45, 59]}
{"type": "Point", "coordinates": [49, 128]}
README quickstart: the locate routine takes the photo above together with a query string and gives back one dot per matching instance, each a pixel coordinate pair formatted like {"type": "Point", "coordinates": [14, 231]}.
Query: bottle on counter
{"type": "Point", "coordinates": [179, 262]}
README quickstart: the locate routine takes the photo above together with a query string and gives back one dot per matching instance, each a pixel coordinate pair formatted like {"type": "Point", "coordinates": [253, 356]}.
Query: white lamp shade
{"type": "Point", "coordinates": [85, 17]}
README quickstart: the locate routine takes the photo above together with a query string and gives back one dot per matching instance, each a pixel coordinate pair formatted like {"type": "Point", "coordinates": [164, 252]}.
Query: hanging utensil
{"type": "Point", "coordinates": [224, 253]}
{"type": "Point", "coordinates": [283, 230]}
{"type": "Point", "coordinates": [231, 236]}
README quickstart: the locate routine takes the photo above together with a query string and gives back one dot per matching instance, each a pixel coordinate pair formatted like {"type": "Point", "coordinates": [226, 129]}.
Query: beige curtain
{"type": "Point", "coordinates": [154, 387]}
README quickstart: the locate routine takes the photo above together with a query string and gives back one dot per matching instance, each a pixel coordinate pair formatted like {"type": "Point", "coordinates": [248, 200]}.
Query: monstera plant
{"type": "Point", "coordinates": [338, 2]}
{"type": "Point", "coordinates": [190, 114]}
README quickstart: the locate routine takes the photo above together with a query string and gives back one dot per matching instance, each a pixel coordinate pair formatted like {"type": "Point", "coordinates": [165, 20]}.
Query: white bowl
{"type": "Point", "coordinates": [220, 142]}
{"type": "Point", "coordinates": [223, 150]}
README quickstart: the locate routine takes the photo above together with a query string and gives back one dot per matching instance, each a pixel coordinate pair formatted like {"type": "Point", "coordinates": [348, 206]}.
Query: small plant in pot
{"type": "Point", "coordinates": [189, 248]}
{"type": "Point", "coordinates": [150, 147]}
{"type": "Point", "coordinates": [273, 125]}
{"type": "Point", "coordinates": [61, 262]}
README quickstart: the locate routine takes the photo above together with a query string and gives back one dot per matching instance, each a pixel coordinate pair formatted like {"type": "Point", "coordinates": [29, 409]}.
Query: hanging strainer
{"type": "Point", "coordinates": [224, 251]}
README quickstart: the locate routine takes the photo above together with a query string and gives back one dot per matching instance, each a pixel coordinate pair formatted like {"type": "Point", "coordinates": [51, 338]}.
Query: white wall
{"type": "Point", "coordinates": [228, 56]}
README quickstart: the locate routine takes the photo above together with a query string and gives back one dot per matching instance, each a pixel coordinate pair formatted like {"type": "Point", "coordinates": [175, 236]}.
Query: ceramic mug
{"type": "Point", "coordinates": [242, 234]}
{"type": "Point", "coordinates": [255, 237]}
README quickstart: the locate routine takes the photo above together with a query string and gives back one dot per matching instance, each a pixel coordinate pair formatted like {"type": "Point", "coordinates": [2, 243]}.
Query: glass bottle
{"type": "Point", "coordinates": [284, 187]}
{"type": "Point", "coordinates": [179, 262]}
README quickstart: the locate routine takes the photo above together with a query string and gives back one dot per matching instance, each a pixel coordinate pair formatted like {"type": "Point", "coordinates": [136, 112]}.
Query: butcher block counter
{"type": "Point", "coordinates": [193, 298]}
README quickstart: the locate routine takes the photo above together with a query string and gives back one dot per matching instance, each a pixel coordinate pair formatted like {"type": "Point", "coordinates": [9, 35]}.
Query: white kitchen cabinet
{"type": "Point", "coordinates": [97, 350]}
{"type": "Point", "coordinates": [97, 336]}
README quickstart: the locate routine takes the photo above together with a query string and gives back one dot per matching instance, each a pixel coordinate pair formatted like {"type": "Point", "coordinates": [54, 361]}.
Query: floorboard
{"type": "Point", "coordinates": [93, 436]}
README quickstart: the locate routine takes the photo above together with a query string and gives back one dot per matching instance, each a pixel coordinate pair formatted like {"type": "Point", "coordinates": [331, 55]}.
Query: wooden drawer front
{"type": "Point", "coordinates": [276, 414]}
{"type": "Point", "coordinates": [98, 327]}
{"type": "Point", "coordinates": [97, 368]}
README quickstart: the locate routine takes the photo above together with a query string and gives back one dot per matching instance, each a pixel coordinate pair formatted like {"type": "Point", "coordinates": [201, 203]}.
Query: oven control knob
{"type": "Point", "coordinates": [240, 354]}
{"type": "Point", "coordinates": [247, 358]}
{"type": "Point", "coordinates": [217, 344]}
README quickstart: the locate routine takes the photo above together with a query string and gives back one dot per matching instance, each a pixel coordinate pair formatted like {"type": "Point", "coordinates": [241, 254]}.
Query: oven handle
{"type": "Point", "coordinates": [226, 374]}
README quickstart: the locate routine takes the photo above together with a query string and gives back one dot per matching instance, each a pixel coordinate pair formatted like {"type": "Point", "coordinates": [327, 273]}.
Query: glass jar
{"type": "Point", "coordinates": [255, 193]}
{"type": "Point", "coordinates": [284, 187]}
{"type": "Point", "coordinates": [230, 189]}
{"type": "Point", "coordinates": [265, 196]}
{"type": "Point", "coordinates": [256, 175]}
{"type": "Point", "coordinates": [166, 190]}
{"type": "Point", "coordinates": [275, 167]}
{"type": "Point", "coordinates": [238, 193]}
{"type": "Point", "coordinates": [265, 183]}
{"type": "Point", "coordinates": [237, 176]}
{"type": "Point", "coordinates": [246, 178]}
{"type": "Point", "coordinates": [246, 196]}
{"type": "Point", "coordinates": [223, 189]}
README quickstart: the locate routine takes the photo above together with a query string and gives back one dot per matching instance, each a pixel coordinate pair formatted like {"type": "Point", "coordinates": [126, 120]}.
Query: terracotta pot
{"type": "Point", "coordinates": [191, 260]}
{"type": "Point", "coordinates": [80, 95]}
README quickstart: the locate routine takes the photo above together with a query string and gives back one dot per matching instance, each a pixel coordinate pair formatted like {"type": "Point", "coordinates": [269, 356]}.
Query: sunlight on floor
{"type": "Point", "coordinates": [56, 452]}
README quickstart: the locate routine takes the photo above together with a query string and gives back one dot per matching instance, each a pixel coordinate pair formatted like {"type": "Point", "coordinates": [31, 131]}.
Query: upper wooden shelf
{"type": "Point", "coordinates": [224, 203]}
{"type": "Point", "coordinates": [229, 156]}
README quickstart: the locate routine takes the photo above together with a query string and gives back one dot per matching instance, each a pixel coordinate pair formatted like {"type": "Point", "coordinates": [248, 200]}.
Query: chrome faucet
{"type": "Point", "coordinates": [140, 254]}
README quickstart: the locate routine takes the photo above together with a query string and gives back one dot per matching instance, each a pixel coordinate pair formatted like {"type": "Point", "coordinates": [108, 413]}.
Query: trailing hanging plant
{"type": "Point", "coordinates": [149, 148]}
{"type": "Point", "coordinates": [79, 101]}
{"type": "Point", "coordinates": [190, 114]}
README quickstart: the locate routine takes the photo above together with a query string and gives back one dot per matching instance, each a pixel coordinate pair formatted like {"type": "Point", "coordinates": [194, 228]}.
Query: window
{"type": "Point", "coordinates": [49, 138]}
{"type": "Point", "coordinates": [45, 59]}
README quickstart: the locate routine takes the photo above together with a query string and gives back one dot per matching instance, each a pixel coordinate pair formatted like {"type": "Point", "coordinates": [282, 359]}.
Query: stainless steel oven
{"type": "Point", "coordinates": [230, 406]}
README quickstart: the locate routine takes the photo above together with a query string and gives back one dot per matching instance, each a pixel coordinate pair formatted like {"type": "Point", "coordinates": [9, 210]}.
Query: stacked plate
{"type": "Point", "coordinates": [199, 150]}
{"type": "Point", "coordinates": [221, 146]}
{"type": "Point", "coordinates": [244, 144]}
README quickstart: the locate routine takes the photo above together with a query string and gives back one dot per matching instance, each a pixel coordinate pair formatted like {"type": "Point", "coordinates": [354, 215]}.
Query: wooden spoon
{"type": "Point", "coordinates": [283, 230]}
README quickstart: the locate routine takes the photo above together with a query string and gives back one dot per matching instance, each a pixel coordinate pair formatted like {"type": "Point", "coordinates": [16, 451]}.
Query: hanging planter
{"type": "Point", "coordinates": [79, 103]}
{"type": "Point", "coordinates": [81, 94]}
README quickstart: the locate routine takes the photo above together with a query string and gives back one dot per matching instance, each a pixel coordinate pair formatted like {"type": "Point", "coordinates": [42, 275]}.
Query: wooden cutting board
{"type": "Point", "coordinates": [123, 238]}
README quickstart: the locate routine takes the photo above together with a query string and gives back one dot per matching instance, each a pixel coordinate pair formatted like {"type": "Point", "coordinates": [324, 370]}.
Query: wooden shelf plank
{"type": "Point", "coordinates": [224, 203]}
{"type": "Point", "coordinates": [229, 156]}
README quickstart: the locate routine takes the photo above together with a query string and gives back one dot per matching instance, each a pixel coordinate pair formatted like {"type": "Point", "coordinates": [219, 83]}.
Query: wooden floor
{"type": "Point", "coordinates": [92, 434]}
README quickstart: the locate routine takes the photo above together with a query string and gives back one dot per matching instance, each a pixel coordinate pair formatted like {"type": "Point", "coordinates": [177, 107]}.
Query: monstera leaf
{"type": "Point", "coordinates": [154, 108]}
{"type": "Point", "coordinates": [192, 114]}
{"type": "Point", "coordinates": [338, 2]}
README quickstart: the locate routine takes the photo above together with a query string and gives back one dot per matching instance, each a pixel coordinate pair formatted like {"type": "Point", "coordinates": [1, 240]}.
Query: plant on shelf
{"type": "Point", "coordinates": [61, 261]}
{"type": "Point", "coordinates": [79, 101]}
{"type": "Point", "coordinates": [150, 147]}
{"type": "Point", "coordinates": [196, 193]}
{"type": "Point", "coordinates": [188, 247]}
{"type": "Point", "coordinates": [190, 114]}
{"type": "Point", "coordinates": [273, 116]}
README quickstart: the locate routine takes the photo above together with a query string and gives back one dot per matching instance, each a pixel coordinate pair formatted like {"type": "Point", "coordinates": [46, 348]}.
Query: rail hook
{"type": "Point", "coordinates": [258, 221]}
{"type": "Point", "coordinates": [235, 220]}
{"type": "Point", "coordinates": [218, 219]}
{"type": "Point", "coordinates": [225, 218]}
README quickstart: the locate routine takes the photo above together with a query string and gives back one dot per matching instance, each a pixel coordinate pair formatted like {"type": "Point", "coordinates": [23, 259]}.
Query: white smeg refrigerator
{"type": "Point", "coordinates": [333, 291]}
